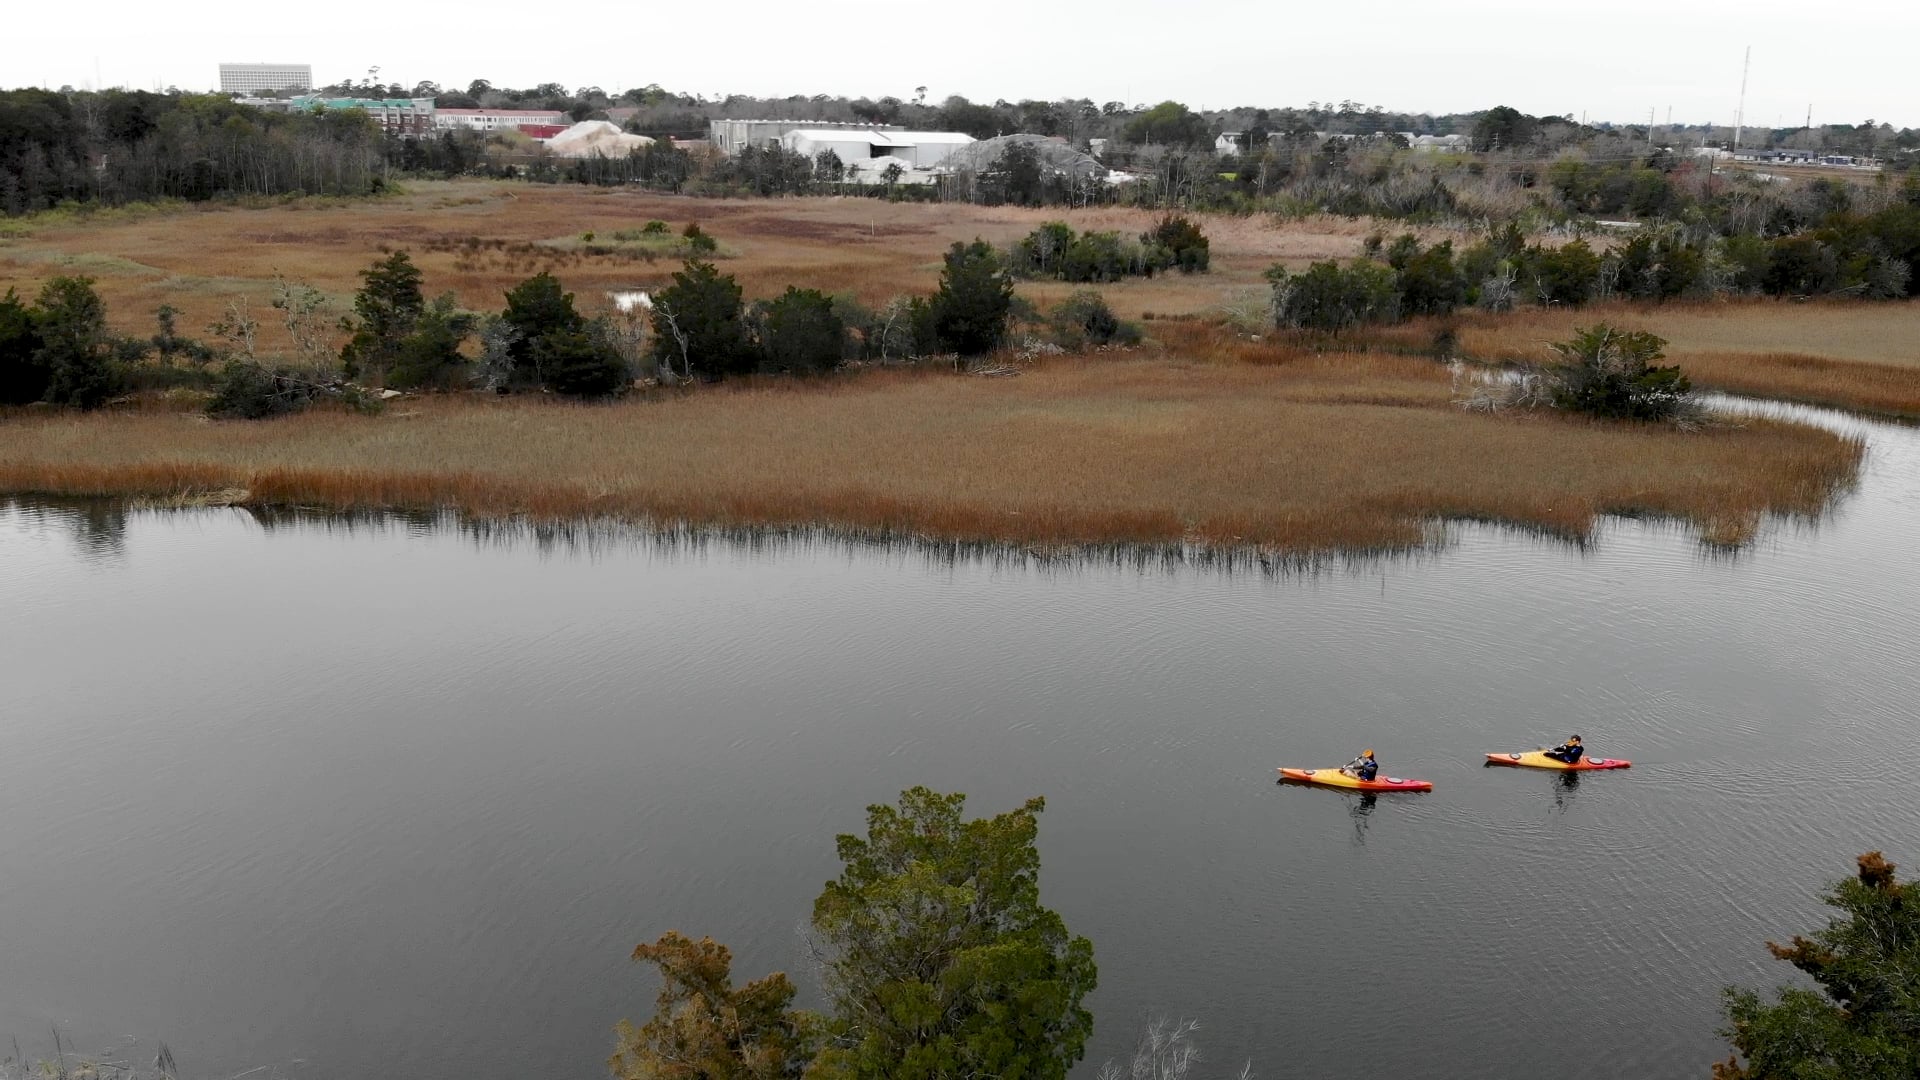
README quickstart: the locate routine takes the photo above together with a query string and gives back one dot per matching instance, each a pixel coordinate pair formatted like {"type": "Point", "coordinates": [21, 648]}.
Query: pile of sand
{"type": "Point", "coordinates": [595, 138]}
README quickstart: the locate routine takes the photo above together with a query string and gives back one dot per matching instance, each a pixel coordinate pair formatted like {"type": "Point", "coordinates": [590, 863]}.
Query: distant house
{"type": "Point", "coordinates": [1229, 142]}
{"type": "Point", "coordinates": [1439, 144]}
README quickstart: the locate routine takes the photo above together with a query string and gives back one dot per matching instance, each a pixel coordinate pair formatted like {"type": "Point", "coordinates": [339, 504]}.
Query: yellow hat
{"type": "Point", "coordinates": [1366, 753]}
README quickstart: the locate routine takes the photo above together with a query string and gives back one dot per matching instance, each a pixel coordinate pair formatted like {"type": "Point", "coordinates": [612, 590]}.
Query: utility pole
{"type": "Point", "coordinates": [1649, 127]}
{"type": "Point", "coordinates": [1740, 115]}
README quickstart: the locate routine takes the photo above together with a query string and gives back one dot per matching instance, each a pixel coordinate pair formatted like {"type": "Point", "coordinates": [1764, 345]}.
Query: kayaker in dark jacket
{"type": "Point", "coordinates": [1362, 767]}
{"type": "Point", "coordinates": [1569, 751]}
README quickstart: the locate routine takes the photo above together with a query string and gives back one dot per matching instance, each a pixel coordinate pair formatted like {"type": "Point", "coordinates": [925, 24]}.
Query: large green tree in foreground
{"type": "Point", "coordinates": [938, 958]}
{"type": "Point", "coordinates": [1863, 1023]}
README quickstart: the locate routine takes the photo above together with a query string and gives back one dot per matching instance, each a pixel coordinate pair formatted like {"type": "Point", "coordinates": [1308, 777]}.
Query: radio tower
{"type": "Point", "coordinates": [1740, 114]}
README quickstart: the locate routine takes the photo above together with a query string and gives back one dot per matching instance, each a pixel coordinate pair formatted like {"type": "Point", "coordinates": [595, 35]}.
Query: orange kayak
{"type": "Point", "coordinates": [1337, 779]}
{"type": "Point", "coordinates": [1535, 759]}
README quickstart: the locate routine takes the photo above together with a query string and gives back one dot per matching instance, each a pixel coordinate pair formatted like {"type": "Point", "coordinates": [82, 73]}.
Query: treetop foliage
{"type": "Point", "coordinates": [1863, 1021]}
{"type": "Point", "coordinates": [940, 959]}
{"type": "Point", "coordinates": [705, 1028]}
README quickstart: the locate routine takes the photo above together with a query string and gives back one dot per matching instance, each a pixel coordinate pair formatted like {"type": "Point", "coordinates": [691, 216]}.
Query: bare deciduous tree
{"type": "Point", "coordinates": [1166, 1052]}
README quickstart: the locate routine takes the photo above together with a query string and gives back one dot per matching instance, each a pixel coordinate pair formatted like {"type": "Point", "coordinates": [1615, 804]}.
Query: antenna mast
{"type": "Point", "coordinates": [1740, 115]}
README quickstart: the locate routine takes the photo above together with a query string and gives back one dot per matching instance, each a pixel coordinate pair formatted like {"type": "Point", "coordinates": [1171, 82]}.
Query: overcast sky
{"type": "Point", "coordinates": [1607, 61]}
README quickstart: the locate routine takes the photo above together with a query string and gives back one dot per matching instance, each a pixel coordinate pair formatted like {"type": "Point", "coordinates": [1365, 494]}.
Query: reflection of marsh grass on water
{"type": "Point", "coordinates": [99, 525]}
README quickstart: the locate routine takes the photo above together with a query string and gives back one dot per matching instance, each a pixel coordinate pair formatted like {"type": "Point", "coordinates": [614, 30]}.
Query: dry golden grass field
{"type": "Point", "coordinates": [1203, 434]}
{"type": "Point", "coordinates": [1261, 446]}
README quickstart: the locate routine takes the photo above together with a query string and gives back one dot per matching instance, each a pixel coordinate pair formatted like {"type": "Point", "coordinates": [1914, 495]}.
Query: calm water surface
{"type": "Point", "coordinates": [358, 799]}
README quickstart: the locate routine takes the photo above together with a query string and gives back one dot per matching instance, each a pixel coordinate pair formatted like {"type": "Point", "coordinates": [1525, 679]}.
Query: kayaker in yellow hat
{"type": "Point", "coordinates": [1362, 767]}
{"type": "Point", "coordinates": [1570, 751]}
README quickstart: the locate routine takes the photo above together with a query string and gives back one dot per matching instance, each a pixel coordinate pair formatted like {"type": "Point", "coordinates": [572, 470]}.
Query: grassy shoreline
{"type": "Point", "coordinates": [1280, 449]}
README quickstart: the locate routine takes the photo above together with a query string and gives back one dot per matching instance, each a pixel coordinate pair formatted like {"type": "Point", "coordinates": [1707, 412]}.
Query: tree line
{"type": "Point", "coordinates": [57, 349]}
{"type": "Point", "coordinates": [118, 146]}
{"type": "Point", "coordinates": [1863, 255]}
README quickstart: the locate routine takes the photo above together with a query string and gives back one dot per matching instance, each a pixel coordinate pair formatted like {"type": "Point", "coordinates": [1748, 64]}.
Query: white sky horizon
{"type": "Point", "coordinates": [1683, 55]}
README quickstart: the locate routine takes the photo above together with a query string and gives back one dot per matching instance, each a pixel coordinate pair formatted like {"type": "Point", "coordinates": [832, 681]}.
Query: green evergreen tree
{"type": "Point", "coordinates": [941, 960]}
{"type": "Point", "coordinates": [1863, 1023]}
{"type": "Point", "coordinates": [975, 297]}
{"type": "Point", "coordinates": [802, 334]}
{"type": "Point", "coordinates": [429, 358]}
{"type": "Point", "coordinates": [698, 330]}
{"type": "Point", "coordinates": [24, 377]}
{"type": "Point", "coordinates": [581, 363]}
{"type": "Point", "coordinates": [74, 350]}
{"type": "Point", "coordinates": [388, 305]}
{"type": "Point", "coordinates": [535, 308]}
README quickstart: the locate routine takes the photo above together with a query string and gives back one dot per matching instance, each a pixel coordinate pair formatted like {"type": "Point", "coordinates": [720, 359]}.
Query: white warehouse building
{"type": "Point", "coordinates": [854, 146]}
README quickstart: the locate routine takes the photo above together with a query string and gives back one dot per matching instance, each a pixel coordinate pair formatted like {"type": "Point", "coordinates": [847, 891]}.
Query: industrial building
{"type": "Point", "coordinates": [732, 136]}
{"type": "Point", "coordinates": [855, 146]}
{"type": "Point", "coordinates": [497, 119]}
{"type": "Point", "coordinates": [258, 78]}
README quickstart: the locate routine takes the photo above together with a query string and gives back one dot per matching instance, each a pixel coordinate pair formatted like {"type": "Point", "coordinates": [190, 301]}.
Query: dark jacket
{"type": "Point", "coordinates": [1567, 752]}
{"type": "Point", "coordinates": [1367, 768]}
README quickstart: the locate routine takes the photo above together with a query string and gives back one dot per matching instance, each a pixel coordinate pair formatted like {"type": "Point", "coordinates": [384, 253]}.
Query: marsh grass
{"type": "Point", "coordinates": [1213, 433]}
{"type": "Point", "coordinates": [1280, 449]}
{"type": "Point", "coordinates": [1849, 355]}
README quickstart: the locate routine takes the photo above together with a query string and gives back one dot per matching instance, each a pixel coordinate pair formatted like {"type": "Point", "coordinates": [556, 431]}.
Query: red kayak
{"type": "Point", "coordinates": [1535, 759]}
{"type": "Point", "coordinates": [1337, 779]}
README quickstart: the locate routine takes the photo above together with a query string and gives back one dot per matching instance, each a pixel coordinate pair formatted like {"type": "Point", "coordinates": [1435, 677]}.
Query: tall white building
{"type": "Point", "coordinates": [255, 78]}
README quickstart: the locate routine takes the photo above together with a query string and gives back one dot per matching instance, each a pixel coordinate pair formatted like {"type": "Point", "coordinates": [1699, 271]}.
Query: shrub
{"type": "Point", "coordinates": [969, 310]}
{"type": "Point", "coordinates": [1564, 275]}
{"type": "Point", "coordinates": [1184, 245]}
{"type": "Point", "coordinates": [1429, 283]}
{"type": "Point", "coordinates": [654, 228]}
{"type": "Point", "coordinates": [429, 358]}
{"type": "Point", "coordinates": [1611, 373]}
{"type": "Point", "coordinates": [698, 242]}
{"type": "Point", "coordinates": [1098, 256]}
{"type": "Point", "coordinates": [245, 390]}
{"type": "Point", "coordinates": [1085, 319]}
{"type": "Point", "coordinates": [1042, 251]}
{"type": "Point", "coordinates": [801, 333]}
{"type": "Point", "coordinates": [1330, 298]}
{"type": "Point", "coordinates": [582, 362]}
